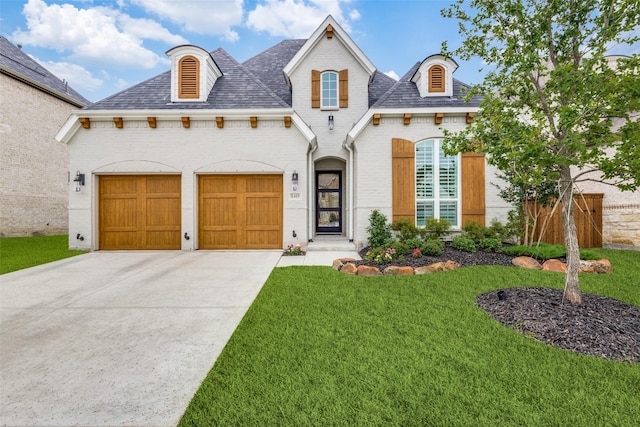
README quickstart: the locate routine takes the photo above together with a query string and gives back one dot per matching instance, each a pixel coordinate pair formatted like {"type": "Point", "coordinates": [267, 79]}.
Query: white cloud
{"type": "Point", "coordinates": [296, 18]}
{"type": "Point", "coordinates": [149, 30]}
{"type": "Point", "coordinates": [98, 36]}
{"type": "Point", "coordinates": [214, 17]}
{"type": "Point", "coordinates": [354, 15]}
{"type": "Point", "coordinates": [393, 75]}
{"type": "Point", "coordinates": [79, 78]}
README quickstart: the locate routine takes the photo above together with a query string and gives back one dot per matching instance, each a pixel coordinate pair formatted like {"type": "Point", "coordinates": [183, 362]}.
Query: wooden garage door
{"type": "Point", "coordinates": [240, 211]}
{"type": "Point", "coordinates": [139, 212]}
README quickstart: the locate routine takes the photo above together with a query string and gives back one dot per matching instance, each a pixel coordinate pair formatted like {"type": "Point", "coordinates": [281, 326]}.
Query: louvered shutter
{"type": "Point", "coordinates": [436, 79]}
{"type": "Point", "coordinates": [315, 89]}
{"type": "Point", "coordinates": [344, 88]}
{"type": "Point", "coordinates": [188, 78]}
{"type": "Point", "coordinates": [473, 198]}
{"type": "Point", "coordinates": [403, 175]}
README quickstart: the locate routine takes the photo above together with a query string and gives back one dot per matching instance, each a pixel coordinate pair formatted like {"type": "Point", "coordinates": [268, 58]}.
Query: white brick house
{"type": "Point", "coordinates": [34, 166]}
{"type": "Point", "coordinates": [299, 142]}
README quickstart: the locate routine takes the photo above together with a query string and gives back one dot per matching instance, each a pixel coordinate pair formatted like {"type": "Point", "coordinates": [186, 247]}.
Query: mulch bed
{"type": "Point", "coordinates": [463, 258]}
{"type": "Point", "coordinates": [600, 326]}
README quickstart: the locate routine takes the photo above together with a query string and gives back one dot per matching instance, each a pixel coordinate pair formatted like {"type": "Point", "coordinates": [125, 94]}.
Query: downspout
{"type": "Point", "coordinates": [350, 188]}
{"type": "Point", "coordinates": [310, 219]}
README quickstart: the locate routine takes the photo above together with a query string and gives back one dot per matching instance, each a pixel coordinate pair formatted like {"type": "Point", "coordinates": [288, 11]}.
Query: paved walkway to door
{"type": "Point", "coordinates": [119, 338]}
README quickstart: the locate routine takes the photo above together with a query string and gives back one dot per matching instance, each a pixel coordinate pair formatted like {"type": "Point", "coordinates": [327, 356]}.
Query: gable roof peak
{"type": "Point", "coordinates": [331, 29]}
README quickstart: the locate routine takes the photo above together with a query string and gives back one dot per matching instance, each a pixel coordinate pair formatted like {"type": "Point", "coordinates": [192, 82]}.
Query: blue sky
{"type": "Point", "coordinates": [104, 46]}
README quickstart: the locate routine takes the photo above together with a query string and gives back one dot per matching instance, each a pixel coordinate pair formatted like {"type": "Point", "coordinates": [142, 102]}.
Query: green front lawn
{"type": "Point", "coordinates": [319, 347]}
{"type": "Point", "coordinates": [17, 253]}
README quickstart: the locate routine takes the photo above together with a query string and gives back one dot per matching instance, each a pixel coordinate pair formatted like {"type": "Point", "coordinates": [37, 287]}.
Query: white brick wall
{"type": "Point", "coordinates": [203, 148]}
{"type": "Point", "coordinates": [373, 167]}
{"type": "Point", "coordinates": [34, 166]}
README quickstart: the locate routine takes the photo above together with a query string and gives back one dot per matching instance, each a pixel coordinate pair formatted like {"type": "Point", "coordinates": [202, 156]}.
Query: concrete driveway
{"type": "Point", "coordinates": [119, 338]}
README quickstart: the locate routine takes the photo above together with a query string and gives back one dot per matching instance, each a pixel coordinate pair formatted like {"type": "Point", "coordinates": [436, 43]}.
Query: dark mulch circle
{"type": "Point", "coordinates": [600, 326]}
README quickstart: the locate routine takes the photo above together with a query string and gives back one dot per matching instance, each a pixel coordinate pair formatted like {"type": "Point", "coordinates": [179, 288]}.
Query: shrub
{"type": "Point", "coordinates": [414, 243]}
{"type": "Point", "coordinates": [432, 247]}
{"type": "Point", "coordinates": [406, 229]}
{"type": "Point", "coordinates": [491, 244]}
{"type": "Point", "coordinates": [477, 232]}
{"type": "Point", "coordinates": [463, 243]}
{"type": "Point", "coordinates": [515, 225]}
{"type": "Point", "coordinates": [379, 230]}
{"type": "Point", "coordinates": [436, 227]}
{"type": "Point", "coordinates": [400, 248]}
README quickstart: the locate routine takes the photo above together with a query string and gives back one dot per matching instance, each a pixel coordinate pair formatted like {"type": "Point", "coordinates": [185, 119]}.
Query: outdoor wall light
{"type": "Point", "coordinates": [294, 178]}
{"type": "Point", "coordinates": [186, 236]}
{"type": "Point", "coordinates": [330, 121]}
{"type": "Point", "coordinates": [79, 180]}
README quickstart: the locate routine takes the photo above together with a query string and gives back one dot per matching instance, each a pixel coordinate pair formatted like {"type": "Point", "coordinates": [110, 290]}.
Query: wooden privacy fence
{"type": "Point", "coordinates": [587, 212]}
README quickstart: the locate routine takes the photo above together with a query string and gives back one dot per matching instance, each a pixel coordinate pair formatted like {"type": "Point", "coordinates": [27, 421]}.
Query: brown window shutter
{"type": "Point", "coordinates": [344, 88]}
{"type": "Point", "coordinates": [315, 89]}
{"type": "Point", "coordinates": [473, 206]}
{"type": "Point", "coordinates": [403, 176]}
{"type": "Point", "coordinates": [436, 79]}
{"type": "Point", "coordinates": [189, 78]}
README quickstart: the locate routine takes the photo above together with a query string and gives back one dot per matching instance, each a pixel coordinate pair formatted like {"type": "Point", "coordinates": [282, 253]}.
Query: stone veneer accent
{"type": "Point", "coordinates": [621, 224]}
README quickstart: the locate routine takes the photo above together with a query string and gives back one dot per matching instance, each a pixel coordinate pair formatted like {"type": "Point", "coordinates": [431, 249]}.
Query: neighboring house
{"type": "Point", "coordinates": [34, 170]}
{"type": "Point", "coordinates": [302, 141]}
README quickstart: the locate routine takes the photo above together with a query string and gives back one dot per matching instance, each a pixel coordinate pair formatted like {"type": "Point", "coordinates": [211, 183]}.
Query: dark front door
{"type": "Point", "coordinates": [329, 202]}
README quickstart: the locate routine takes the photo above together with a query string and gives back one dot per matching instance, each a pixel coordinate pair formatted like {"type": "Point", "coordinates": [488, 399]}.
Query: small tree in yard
{"type": "Point", "coordinates": [553, 106]}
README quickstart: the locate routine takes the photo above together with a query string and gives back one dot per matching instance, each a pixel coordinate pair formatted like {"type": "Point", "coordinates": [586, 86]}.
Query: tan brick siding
{"type": "Point", "coordinates": [34, 166]}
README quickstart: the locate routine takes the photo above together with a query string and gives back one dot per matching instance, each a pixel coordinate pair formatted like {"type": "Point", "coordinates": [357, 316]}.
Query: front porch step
{"type": "Point", "coordinates": [330, 243]}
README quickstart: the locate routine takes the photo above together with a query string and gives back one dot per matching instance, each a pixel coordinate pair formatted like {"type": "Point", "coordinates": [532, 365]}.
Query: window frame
{"type": "Point", "coordinates": [437, 198]}
{"type": "Point", "coordinates": [336, 75]}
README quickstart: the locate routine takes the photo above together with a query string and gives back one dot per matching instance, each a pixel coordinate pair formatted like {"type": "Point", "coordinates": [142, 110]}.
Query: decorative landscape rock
{"type": "Point", "coordinates": [340, 262]}
{"type": "Point", "coordinates": [526, 262]}
{"type": "Point", "coordinates": [394, 270]}
{"type": "Point", "coordinates": [348, 268]}
{"type": "Point", "coordinates": [554, 265]}
{"type": "Point", "coordinates": [604, 266]}
{"type": "Point", "coordinates": [588, 267]}
{"type": "Point", "coordinates": [365, 270]}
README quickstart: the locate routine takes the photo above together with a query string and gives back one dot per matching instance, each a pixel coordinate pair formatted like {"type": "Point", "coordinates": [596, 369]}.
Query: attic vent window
{"type": "Point", "coordinates": [436, 79]}
{"type": "Point", "coordinates": [189, 78]}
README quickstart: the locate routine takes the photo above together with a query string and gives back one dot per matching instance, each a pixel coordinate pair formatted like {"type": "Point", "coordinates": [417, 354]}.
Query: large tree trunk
{"type": "Point", "coordinates": [571, 286]}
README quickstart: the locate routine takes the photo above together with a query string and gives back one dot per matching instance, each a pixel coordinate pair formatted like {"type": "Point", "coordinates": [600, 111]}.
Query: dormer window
{"type": "Point", "coordinates": [329, 91]}
{"type": "Point", "coordinates": [193, 73]}
{"type": "Point", "coordinates": [189, 78]}
{"type": "Point", "coordinates": [436, 78]}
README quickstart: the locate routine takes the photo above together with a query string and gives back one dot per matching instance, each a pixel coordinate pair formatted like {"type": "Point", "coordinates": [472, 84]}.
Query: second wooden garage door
{"type": "Point", "coordinates": [139, 212]}
{"type": "Point", "coordinates": [240, 211]}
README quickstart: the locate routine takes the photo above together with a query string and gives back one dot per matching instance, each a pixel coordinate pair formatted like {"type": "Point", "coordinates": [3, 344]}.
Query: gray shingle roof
{"type": "Point", "coordinates": [238, 88]}
{"type": "Point", "coordinates": [405, 94]}
{"type": "Point", "coordinates": [268, 66]}
{"type": "Point", "coordinates": [15, 62]}
{"type": "Point", "coordinates": [259, 83]}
